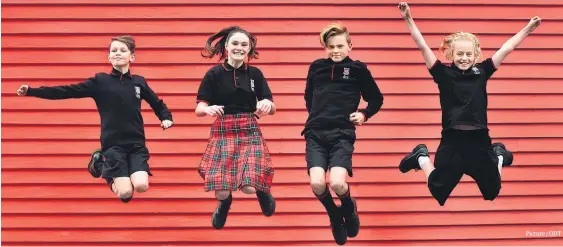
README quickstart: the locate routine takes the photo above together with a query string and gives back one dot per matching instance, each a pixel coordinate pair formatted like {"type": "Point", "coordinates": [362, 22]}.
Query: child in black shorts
{"type": "Point", "coordinates": [465, 146]}
{"type": "Point", "coordinates": [332, 95]}
{"type": "Point", "coordinates": [123, 158]}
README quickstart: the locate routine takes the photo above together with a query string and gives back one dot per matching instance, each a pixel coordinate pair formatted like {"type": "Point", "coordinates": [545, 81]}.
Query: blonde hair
{"type": "Point", "coordinates": [334, 29]}
{"type": "Point", "coordinates": [447, 45]}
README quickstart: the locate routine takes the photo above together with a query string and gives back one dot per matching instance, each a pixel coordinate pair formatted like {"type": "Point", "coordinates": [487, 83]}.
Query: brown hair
{"type": "Point", "coordinates": [129, 41]}
{"type": "Point", "coordinates": [334, 29]}
{"type": "Point", "coordinates": [446, 48]}
{"type": "Point", "coordinates": [223, 36]}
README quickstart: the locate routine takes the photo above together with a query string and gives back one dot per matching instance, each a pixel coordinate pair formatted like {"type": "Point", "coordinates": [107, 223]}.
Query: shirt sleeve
{"type": "Point", "coordinates": [309, 88]}
{"type": "Point", "coordinates": [205, 91]}
{"type": "Point", "coordinates": [158, 106]}
{"type": "Point", "coordinates": [263, 89]}
{"type": "Point", "coordinates": [370, 93]}
{"type": "Point", "coordinates": [488, 68]}
{"type": "Point", "coordinates": [79, 90]}
{"type": "Point", "coordinates": [438, 72]}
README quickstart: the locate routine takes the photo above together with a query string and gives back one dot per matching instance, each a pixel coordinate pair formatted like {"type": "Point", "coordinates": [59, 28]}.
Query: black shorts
{"type": "Point", "coordinates": [464, 152]}
{"type": "Point", "coordinates": [124, 160]}
{"type": "Point", "coordinates": [330, 148]}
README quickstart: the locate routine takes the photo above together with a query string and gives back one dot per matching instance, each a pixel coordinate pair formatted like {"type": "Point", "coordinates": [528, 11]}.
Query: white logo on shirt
{"type": "Point", "coordinates": [138, 92]}
{"type": "Point", "coordinates": [476, 71]}
{"type": "Point", "coordinates": [252, 85]}
{"type": "Point", "coordinates": [346, 73]}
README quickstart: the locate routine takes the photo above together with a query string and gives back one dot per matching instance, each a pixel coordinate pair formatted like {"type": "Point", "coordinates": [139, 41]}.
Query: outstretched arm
{"type": "Point", "coordinates": [429, 57]}
{"type": "Point", "coordinates": [79, 90]}
{"type": "Point", "coordinates": [515, 41]}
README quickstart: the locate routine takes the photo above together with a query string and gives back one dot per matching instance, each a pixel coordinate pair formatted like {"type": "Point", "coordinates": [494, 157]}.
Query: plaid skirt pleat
{"type": "Point", "coordinates": [236, 155]}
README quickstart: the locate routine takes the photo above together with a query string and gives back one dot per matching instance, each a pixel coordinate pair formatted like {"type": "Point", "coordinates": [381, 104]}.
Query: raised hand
{"type": "Point", "coordinates": [405, 10]}
{"type": "Point", "coordinates": [534, 23]}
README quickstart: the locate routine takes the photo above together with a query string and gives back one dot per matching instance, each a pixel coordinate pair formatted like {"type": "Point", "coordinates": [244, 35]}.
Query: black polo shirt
{"type": "Point", "coordinates": [334, 90]}
{"type": "Point", "coordinates": [239, 90]}
{"type": "Point", "coordinates": [118, 99]}
{"type": "Point", "coordinates": [463, 94]}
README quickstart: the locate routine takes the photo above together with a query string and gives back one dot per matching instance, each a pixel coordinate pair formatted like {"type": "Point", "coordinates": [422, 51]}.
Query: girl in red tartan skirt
{"type": "Point", "coordinates": [236, 94]}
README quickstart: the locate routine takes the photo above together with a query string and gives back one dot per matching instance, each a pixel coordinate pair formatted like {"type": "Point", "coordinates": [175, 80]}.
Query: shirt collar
{"type": "Point", "coordinates": [228, 67]}
{"type": "Point", "coordinates": [115, 72]}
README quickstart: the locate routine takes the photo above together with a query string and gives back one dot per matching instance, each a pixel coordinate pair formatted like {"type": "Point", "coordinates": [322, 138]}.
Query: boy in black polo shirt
{"type": "Point", "coordinates": [332, 96]}
{"type": "Point", "coordinates": [465, 146]}
{"type": "Point", "coordinates": [235, 93]}
{"type": "Point", "coordinates": [118, 98]}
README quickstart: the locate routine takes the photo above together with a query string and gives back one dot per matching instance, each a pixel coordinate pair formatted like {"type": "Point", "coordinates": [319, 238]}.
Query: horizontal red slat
{"type": "Point", "coordinates": [307, 234]}
{"type": "Point", "coordinates": [396, 25]}
{"type": "Point", "coordinates": [304, 2]}
{"type": "Point", "coordinates": [275, 146]}
{"type": "Point", "coordinates": [288, 175]}
{"type": "Point", "coordinates": [286, 117]}
{"type": "Point", "coordinates": [280, 160]}
{"type": "Point", "coordinates": [301, 190]}
{"type": "Point", "coordinates": [284, 102]}
{"type": "Point", "coordinates": [537, 241]}
{"type": "Point", "coordinates": [266, 57]}
{"type": "Point", "coordinates": [285, 86]}
{"type": "Point", "coordinates": [278, 11]}
{"type": "Point", "coordinates": [313, 220]}
{"type": "Point", "coordinates": [379, 71]}
{"type": "Point", "coordinates": [265, 40]}
{"type": "Point", "coordinates": [276, 132]}
{"type": "Point", "coordinates": [249, 205]}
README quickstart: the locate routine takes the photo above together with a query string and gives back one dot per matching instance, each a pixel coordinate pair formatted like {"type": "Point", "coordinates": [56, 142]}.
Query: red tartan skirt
{"type": "Point", "coordinates": [236, 155]}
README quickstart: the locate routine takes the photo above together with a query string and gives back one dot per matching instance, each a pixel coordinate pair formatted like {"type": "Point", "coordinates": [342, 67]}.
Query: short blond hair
{"type": "Point", "coordinates": [447, 45]}
{"type": "Point", "coordinates": [334, 29]}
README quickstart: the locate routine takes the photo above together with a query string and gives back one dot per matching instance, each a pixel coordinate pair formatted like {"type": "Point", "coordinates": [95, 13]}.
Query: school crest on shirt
{"type": "Point", "coordinates": [346, 73]}
{"type": "Point", "coordinates": [476, 71]}
{"type": "Point", "coordinates": [138, 92]}
{"type": "Point", "coordinates": [252, 85]}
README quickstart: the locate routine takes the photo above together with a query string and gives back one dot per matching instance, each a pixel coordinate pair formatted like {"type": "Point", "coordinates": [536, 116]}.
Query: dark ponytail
{"type": "Point", "coordinates": [219, 48]}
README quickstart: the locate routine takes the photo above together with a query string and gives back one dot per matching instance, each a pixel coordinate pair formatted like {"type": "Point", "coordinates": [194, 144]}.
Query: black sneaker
{"type": "Point", "coordinates": [126, 200]}
{"type": "Point", "coordinates": [410, 161]}
{"type": "Point", "coordinates": [507, 156]}
{"type": "Point", "coordinates": [267, 203]}
{"type": "Point", "coordinates": [338, 229]}
{"type": "Point", "coordinates": [96, 163]}
{"type": "Point", "coordinates": [351, 220]}
{"type": "Point", "coordinates": [219, 217]}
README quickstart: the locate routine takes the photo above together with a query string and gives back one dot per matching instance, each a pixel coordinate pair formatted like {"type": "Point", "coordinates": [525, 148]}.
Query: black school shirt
{"type": "Point", "coordinates": [238, 90]}
{"type": "Point", "coordinates": [333, 92]}
{"type": "Point", "coordinates": [463, 94]}
{"type": "Point", "coordinates": [118, 99]}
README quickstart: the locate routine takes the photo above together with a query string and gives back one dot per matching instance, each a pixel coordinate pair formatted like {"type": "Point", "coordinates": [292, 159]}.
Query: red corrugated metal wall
{"type": "Point", "coordinates": [48, 198]}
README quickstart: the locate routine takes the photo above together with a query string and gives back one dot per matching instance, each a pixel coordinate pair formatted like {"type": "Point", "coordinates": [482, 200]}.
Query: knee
{"type": "Point", "coordinates": [125, 192]}
{"type": "Point", "coordinates": [222, 194]}
{"type": "Point", "coordinates": [248, 190]}
{"type": "Point", "coordinates": [337, 185]}
{"type": "Point", "coordinates": [141, 187]}
{"type": "Point", "coordinates": [318, 185]}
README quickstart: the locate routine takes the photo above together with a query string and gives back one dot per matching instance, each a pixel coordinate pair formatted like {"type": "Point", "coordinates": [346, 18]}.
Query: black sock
{"type": "Point", "coordinates": [227, 201]}
{"type": "Point", "coordinates": [328, 203]}
{"type": "Point", "coordinates": [346, 199]}
{"type": "Point", "coordinates": [261, 195]}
